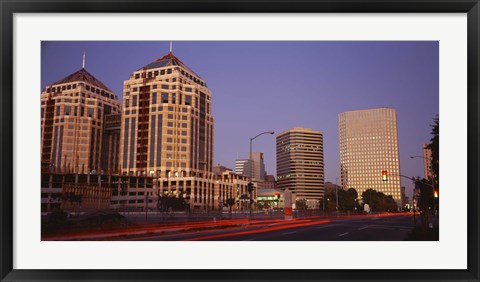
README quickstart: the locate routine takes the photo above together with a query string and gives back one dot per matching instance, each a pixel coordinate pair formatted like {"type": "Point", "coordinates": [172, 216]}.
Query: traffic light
{"type": "Point", "coordinates": [384, 175]}
{"type": "Point", "coordinates": [435, 193]}
{"type": "Point", "coordinates": [250, 187]}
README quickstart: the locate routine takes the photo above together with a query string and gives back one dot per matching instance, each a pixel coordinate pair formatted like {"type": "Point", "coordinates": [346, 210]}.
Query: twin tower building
{"type": "Point", "coordinates": [164, 127]}
{"type": "Point", "coordinates": [165, 130]}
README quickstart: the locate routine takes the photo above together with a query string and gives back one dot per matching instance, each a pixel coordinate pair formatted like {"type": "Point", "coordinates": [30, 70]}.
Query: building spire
{"type": "Point", "coordinates": [171, 44]}
{"type": "Point", "coordinates": [83, 61]}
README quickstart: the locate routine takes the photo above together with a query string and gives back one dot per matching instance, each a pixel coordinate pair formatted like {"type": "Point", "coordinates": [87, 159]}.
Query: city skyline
{"type": "Point", "coordinates": [395, 75]}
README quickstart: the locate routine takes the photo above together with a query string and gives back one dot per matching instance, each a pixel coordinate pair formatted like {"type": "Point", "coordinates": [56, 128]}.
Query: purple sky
{"type": "Point", "coordinates": [276, 85]}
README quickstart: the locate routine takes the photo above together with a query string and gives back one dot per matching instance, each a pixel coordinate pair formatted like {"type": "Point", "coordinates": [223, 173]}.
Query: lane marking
{"type": "Point", "coordinates": [343, 234]}
{"type": "Point", "coordinates": [321, 227]}
{"type": "Point", "coordinates": [286, 233]}
{"type": "Point", "coordinates": [362, 228]}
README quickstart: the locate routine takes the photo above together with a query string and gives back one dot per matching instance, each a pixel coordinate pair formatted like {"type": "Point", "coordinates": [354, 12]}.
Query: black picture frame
{"type": "Point", "coordinates": [9, 7]}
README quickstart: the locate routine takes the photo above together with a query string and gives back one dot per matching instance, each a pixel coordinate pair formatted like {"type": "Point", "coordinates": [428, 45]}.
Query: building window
{"type": "Point", "coordinates": [164, 86]}
{"type": "Point", "coordinates": [164, 97]}
{"type": "Point", "coordinates": [154, 98]}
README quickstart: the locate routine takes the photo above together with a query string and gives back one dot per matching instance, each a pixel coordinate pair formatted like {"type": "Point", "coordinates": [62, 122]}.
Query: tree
{"type": "Point", "coordinates": [172, 203]}
{"type": "Point", "coordinates": [434, 147]}
{"type": "Point", "coordinates": [74, 199]}
{"type": "Point", "coordinates": [230, 202]}
{"type": "Point", "coordinates": [425, 201]}
{"type": "Point", "coordinates": [301, 204]}
{"type": "Point", "coordinates": [351, 196]}
{"type": "Point", "coordinates": [379, 201]}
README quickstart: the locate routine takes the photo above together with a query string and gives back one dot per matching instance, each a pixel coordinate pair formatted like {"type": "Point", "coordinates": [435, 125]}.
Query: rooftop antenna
{"type": "Point", "coordinates": [83, 61]}
{"type": "Point", "coordinates": [171, 46]}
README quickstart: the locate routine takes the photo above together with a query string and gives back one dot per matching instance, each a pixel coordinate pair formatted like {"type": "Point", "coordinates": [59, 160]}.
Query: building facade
{"type": "Point", "coordinates": [258, 164]}
{"type": "Point", "coordinates": [76, 131]}
{"type": "Point", "coordinates": [243, 167]}
{"type": "Point", "coordinates": [167, 123]}
{"type": "Point", "coordinates": [300, 165]}
{"type": "Point", "coordinates": [167, 131]}
{"type": "Point", "coordinates": [368, 146]}
{"type": "Point", "coordinates": [269, 183]}
{"type": "Point", "coordinates": [427, 162]}
{"type": "Point", "coordinates": [257, 167]}
{"type": "Point", "coordinates": [229, 185]}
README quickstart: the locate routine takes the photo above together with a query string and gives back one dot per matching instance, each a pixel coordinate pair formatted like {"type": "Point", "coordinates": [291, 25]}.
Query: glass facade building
{"type": "Point", "coordinates": [368, 146]}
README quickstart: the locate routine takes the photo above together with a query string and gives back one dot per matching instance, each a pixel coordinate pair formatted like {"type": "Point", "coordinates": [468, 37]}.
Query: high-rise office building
{"type": "Point", "coordinates": [78, 129]}
{"type": "Point", "coordinates": [243, 167]}
{"type": "Point", "coordinates": [167, 132]}
{"type": "Point", "coordinates": [427, 162]}
{"type": "Point", "coordinates": [300, 165]}
{"type": "Point", "coordinates": [368, 147]}
{"type": "Point", "coordinates": [167, 123]}
{"type": "Point", "coordinates": [258, 164]}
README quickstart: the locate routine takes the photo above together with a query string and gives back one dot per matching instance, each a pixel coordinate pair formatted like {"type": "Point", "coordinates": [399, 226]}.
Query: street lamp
{"type": "Point", "coordinates": [251, 164]}
{"type": "Point", "coordinates": [433, 186]}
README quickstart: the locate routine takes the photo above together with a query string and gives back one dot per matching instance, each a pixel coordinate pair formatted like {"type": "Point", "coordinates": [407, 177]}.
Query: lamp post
{"type": "Point", "coordinates": [433, 187]}
{"type": "Point", "coordinates": [251, 166]}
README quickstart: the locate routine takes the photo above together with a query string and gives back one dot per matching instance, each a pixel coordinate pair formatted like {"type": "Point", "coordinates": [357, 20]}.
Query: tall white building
{"type": "Point", "coordinates": [368, 146]}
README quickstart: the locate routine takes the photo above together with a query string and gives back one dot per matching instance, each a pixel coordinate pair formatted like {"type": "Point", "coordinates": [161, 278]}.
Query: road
{"type": "Point", "coordinates": [372, 228]}
{"type": "Point", "coordinates": [383, 227]}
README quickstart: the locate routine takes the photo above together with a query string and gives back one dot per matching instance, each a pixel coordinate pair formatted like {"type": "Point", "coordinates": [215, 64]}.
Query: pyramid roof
{"type": "Point", "coordinates": [85, 76]}
{"type": "Point", "coordinates": [168, 60]}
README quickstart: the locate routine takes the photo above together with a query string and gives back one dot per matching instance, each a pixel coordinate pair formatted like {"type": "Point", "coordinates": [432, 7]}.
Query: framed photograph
{"type": "Point", "coordinates": [236, 140]}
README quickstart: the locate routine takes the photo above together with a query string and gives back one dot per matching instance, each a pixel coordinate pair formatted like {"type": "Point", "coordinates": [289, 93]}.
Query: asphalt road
{"type": "Point", "coordinates": [359, 228]}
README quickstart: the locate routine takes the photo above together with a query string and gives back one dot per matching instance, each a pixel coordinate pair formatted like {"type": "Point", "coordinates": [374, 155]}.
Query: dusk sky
{"type": "Point", "coordinates": [277, 85]}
